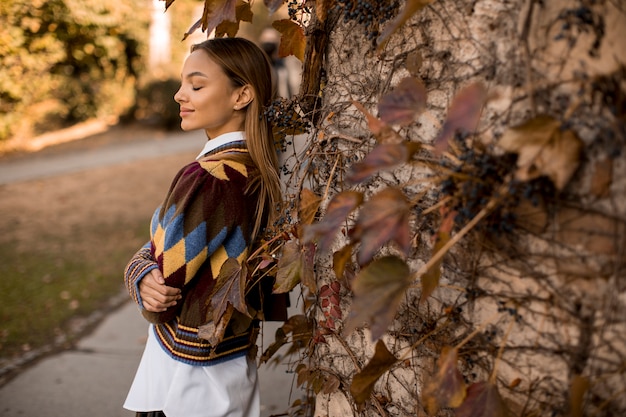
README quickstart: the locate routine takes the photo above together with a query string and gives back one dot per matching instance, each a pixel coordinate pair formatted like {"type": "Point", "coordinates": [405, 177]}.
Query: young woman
{"type": "Point", "coordinates": [215, 208]}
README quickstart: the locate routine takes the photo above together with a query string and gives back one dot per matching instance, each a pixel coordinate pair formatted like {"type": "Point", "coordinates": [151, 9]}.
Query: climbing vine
{"type": "Point", "coordinates": [455, 220]}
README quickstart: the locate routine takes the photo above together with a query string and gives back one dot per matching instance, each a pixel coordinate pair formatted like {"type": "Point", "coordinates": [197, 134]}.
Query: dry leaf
{"type": "Point", "coordinates": [383, 156]}
{"type": "Point", "coordinates": [463, 115]}
{"type": "Point", "coordinates": [403, 103]}
{"type": "Point", "coordinates": [446, 388]}
{"type": "Point", "coordinates": [339, 207]}
{"type": "Point", "coordinates": [215, 12]}
{"type": "Point", "coordinates": [602, 178]}
{"type": "Point", "coordinates": [384, 218]}
{"type": "Point", "coordinates": [341, 259]}
{"type": "Point", "coordinates": [243, 13]}
{"type": "Point", "coordinates": [381, 130]}
{"type": "Point", "coordinates": [214, 333]}
{"type": "Point", "coordinates": [430, 279]}
{"type": "Point", "coordinates": [309, 204]}
{"type": "Point", "coordinates": [483, 400]}
{"type": "Point", "coordinates": [578, 387]}
{"type": "Point", "coordinates": [595, 232]}
{"type": "Point", "coordinates": [413, 62]}
{"type": "Point", "coordinates": [543, 149]}
{"type": "Point", "coordinates": [294, 266]}
{"type": "Point", "coordinates": [292, 40]}
{"type": "Point", "coordinates": [378, 290]}
{"type": "Point", "coordinates": [364, 381]}
{"type": "Point", "coordinates": [229, 289]}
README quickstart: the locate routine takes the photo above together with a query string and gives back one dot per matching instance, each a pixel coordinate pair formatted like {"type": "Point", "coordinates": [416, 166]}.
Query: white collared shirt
{"type": "Point", "coordinates": [221, 140]}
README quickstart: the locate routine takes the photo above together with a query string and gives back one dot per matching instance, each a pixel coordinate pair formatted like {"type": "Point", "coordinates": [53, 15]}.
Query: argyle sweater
{"type": "Point", "coordinates": [206, 218]}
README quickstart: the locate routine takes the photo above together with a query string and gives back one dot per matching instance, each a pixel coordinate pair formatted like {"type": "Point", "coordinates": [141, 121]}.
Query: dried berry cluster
{"type": "Point", "coordinates": [369, 13]}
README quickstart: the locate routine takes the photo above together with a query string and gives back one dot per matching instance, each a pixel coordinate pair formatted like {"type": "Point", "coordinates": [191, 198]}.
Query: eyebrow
{"type": "Point", "coordinates": [196, 74]}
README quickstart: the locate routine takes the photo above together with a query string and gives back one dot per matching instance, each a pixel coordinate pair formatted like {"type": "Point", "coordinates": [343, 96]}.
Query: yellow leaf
{"type": "Point", "coordinates": [543, 148]}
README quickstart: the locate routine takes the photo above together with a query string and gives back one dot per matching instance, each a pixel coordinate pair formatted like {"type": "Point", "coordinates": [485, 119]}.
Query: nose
{"type": "Point", "coordinates": [178, 96]}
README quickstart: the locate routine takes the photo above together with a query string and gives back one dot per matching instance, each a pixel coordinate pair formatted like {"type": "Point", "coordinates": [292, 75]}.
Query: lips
{"type": "Point", "coordinates": [185, 111]}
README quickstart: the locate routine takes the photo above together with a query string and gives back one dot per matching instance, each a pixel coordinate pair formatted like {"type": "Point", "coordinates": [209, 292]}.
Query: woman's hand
{"type": "Point", "coordinates": [156, 296]}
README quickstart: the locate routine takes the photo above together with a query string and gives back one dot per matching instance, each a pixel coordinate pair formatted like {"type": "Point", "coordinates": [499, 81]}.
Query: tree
{"type": "Point", "coordinates": [462, 238]}
{"type": "Point", "coordinates": [66, 61]}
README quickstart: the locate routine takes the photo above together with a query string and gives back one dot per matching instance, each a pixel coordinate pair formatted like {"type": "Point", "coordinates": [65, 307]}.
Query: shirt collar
{"type": "Point", "coordinates": [221, 140]}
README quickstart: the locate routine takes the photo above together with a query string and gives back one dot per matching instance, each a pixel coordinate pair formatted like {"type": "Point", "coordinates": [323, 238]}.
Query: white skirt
{"type": "Point", "coordinates": [228, 388]}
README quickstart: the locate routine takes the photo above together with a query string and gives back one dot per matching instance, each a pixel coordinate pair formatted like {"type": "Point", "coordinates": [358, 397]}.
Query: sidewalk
{"type": "Point", "coordinates": [92, 379]}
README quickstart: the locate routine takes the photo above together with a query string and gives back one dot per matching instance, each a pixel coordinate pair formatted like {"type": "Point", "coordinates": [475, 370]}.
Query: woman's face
{"type": "Point", "coordinates": [207, 97]}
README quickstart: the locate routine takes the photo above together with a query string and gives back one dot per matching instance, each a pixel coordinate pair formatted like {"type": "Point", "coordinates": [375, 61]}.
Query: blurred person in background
{"type": "Point", "coordinates": [281, 73]}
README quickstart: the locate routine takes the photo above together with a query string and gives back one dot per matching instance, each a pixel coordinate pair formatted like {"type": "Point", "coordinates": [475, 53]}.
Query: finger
{"type": "Point", "coordinates": [155, 305]}
{"type": "Point", "coordinates": [160, 295]}
{"type": "Point", "coordinates": [158, 276]}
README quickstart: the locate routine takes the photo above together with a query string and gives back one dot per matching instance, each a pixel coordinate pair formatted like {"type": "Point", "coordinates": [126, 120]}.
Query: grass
{"type": "Point", "coordinates": [40, 291]}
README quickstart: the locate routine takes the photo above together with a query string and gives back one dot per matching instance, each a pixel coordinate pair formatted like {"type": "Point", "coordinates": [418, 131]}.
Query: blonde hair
{"type": "Point", "coordinates": [246, 64]}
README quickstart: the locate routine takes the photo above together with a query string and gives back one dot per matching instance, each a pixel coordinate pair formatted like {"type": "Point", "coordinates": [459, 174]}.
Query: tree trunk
{"type": "Point", "coordinates": [534, 296]}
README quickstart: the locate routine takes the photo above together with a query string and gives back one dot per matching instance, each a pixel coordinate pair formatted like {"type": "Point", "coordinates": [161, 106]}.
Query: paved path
{"type": "Point", "coordinates": [92, 378]}
{"type": "Point", "coordinates": [44, 164]}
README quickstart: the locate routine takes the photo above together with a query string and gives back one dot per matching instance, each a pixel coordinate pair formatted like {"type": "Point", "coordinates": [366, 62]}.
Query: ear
{"type": "Point", "coordinates": [245, 95]}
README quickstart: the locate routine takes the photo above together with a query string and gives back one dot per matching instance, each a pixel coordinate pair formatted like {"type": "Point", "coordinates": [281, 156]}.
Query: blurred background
{"type": "Point", "coordinates": [95, 64]}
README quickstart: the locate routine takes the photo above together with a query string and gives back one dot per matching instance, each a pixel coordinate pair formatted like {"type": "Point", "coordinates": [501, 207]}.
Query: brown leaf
{"type": "Point", "coordinates": [338, 209]}
{"type": "Point", "coordinates": [273, 5]}
{"type": "Point", "coordinates": [533, 218]}
{"type": "Point", "coordinates": [229, 289]}
{"type": "Point", "coordinates": [403, 103]}
{"type": "Point", "coordinates": [446, 388]}
{"type": "Point", "coordinates": [383, 156]}
{"type": "Point", "coordinates": [364, 381]}
{"type": "Point", "coordinates": [331, 384]}
{"type": "Point", "coordinates": [280, 340]}
{"type": "Point", "coordinates": [578, 387]}
{"type": "Point", "coordinates": [602, 178]}
{"type": "Point", "coordinates": [215, 12]}
{"type": "Point", "coordinates": [309, 204]}
{"type": "Point", "coordinates": [381, 130]}
{"type": "Point", "coordinates": [430, 279]}
{"type": "Point", "coordinates": [378, 290]}
{"type": "Point", "coordinates": [289, 268]}
{"type": "Point", "coordinates": [382, 219]}
{"type": "Point", "coordinates": [483, 400]}
{"type": "Point", "coordinates": [214, 332]}
{"type": "Point", "coordinates": [463, 114]}
{"type": "Point", "coordinates": [301, 330]}
{"type": "Point", "coordinates": [595, 232]}
{"type": "Point", "coordinates": [294, 266]}
{"type": "Point", "coordinates": [243, 12]}
{"type": "Point", "coordinates": [292, 40]}
{"type": "Point", "coordinates": [543, 148]}
{"type": "Point", "coordinates": [308, 267]}
{"type": "Point", "coordinates": [341, 259]}
{"type": "Point", "coordinates": [410, 8]}
{"type": "Point", "coordinates": [413, 62]}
